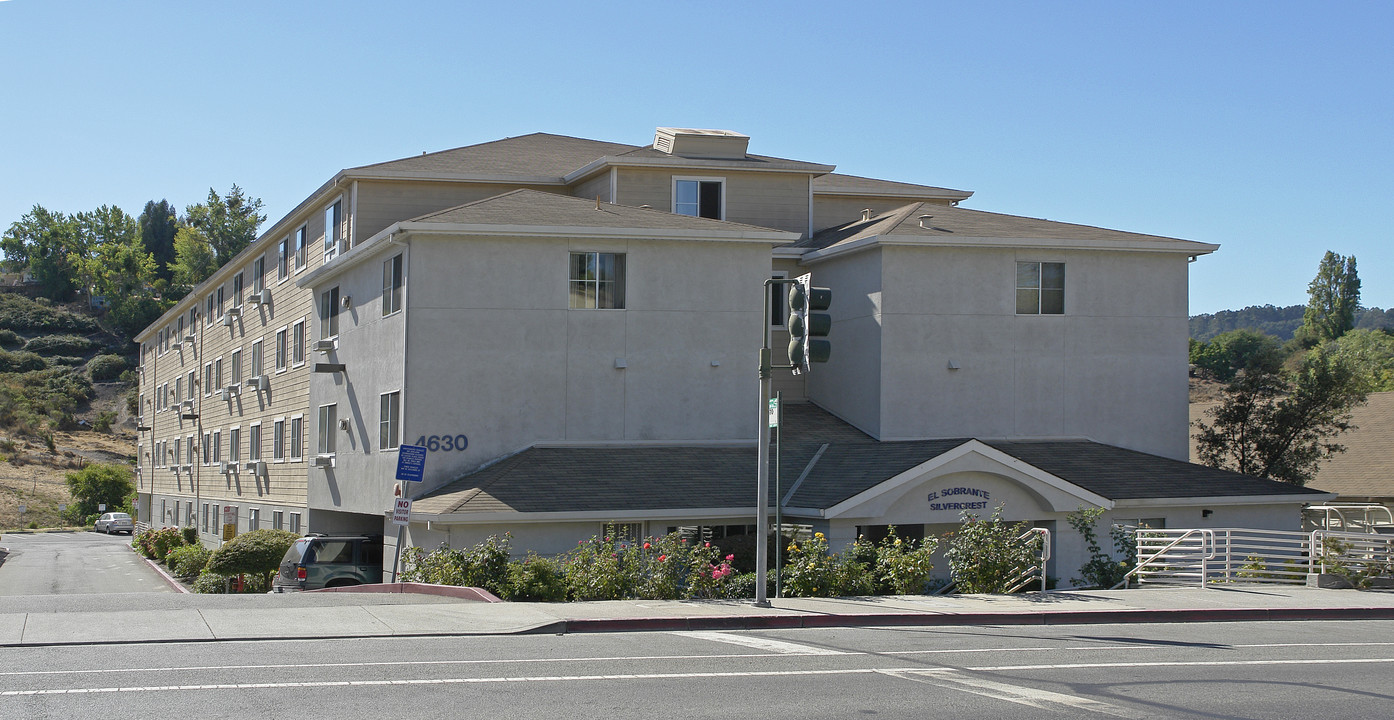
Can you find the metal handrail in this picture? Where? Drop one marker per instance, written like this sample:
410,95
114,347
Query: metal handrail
1034,572
1366,548
1364,508
1207,538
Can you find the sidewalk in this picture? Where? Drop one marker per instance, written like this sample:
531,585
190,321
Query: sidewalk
168,617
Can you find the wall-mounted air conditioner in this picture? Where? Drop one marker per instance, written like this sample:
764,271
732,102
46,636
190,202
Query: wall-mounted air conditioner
233,389
324,346
234,311
256,467
260,298
187,405
189,338
189,469
227,320
224,395
324,461
259,382
222,468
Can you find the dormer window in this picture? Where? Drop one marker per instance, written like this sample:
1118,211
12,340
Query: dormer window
700,197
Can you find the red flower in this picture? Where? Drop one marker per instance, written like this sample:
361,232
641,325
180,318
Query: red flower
706,544
662,558
648,546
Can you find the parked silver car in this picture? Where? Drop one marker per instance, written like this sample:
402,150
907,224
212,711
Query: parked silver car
115,522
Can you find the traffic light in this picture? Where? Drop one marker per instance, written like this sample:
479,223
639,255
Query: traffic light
808,326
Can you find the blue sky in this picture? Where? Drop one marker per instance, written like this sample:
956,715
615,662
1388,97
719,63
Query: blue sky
1264,127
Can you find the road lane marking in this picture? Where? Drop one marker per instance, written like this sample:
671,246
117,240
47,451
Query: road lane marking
1181,663
1019,694
762,643
446,681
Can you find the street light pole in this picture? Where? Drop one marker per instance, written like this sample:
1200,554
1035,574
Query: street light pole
762,476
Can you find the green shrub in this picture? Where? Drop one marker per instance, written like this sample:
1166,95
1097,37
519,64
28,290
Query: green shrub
188,560
105,368
1101,570
59,345
257,553
159,543
10,338
210,583
21,362
904,566
535,579
21,314
190,534
984,555
71,361
484,566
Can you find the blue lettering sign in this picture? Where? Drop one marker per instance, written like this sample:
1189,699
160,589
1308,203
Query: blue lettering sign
949,492
411,463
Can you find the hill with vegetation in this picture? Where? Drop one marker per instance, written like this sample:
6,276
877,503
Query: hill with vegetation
1280,322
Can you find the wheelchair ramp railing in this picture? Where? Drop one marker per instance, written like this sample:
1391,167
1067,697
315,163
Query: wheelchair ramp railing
1352,554
1242,555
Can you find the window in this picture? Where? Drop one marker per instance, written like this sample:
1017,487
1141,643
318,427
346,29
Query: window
389,410
236,378
297,437
217,446
392,286
178,388
208,316
328,422
254,442
237,290
258,270
283,259
699,197
176,454
207,379
295,522
256,359
193,376
189,516
193,319
278,440
301,254
220,302
218,373
234,445
205,517
189,458
597,280
329,313
333,230
297,348
207,442
179,327
281,349
253,519
1040,288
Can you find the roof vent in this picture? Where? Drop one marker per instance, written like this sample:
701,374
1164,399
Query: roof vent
866,214
693,143
924,221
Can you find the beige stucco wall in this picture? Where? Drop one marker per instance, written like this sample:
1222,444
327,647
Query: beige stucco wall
767,199
1112,368
383,202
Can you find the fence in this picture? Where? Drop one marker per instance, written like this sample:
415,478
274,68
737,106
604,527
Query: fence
1230,555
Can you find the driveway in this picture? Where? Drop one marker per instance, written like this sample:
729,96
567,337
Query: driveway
73,563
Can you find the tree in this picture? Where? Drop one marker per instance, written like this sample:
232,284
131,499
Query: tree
1278,426
1236,350
95,485
258,552
158,225
1370,354
103,235
194,259
45,242
229,223
1334,297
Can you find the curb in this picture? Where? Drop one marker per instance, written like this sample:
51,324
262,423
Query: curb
178,586
1069,617
411,588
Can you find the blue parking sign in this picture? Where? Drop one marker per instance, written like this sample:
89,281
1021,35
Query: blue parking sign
411,462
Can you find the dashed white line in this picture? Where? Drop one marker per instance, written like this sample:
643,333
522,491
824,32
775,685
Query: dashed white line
762,643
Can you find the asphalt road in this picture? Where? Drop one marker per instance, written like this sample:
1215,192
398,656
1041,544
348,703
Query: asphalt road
70,563
1201,670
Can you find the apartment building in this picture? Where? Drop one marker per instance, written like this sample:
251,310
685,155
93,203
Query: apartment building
571,328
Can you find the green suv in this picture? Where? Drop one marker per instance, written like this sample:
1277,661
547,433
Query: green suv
327,561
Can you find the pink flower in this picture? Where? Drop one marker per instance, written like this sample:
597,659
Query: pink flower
706,544
729,558
648,546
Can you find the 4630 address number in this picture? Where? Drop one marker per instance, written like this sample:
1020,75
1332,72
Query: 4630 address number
446,443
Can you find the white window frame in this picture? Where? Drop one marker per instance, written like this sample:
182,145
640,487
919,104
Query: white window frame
237,290
234,444
203,449
282,349
193,377
1039,288
328,424
236,368
698,179
253,519
296,437
278,440
333,224
297,344
302,249
256,359
390,420
258,271
254,441
329,313
217,446
621,283
283,260
208,379
295,522
394,280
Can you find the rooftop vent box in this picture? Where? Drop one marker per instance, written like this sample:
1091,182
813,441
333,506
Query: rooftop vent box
688,142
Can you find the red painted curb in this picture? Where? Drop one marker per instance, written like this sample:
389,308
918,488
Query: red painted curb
462,593
1084,617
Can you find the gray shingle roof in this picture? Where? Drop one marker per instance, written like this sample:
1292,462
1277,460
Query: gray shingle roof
947,222
838,183
535,155
537,208
604,479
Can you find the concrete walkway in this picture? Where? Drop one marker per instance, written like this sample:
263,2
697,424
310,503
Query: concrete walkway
169,617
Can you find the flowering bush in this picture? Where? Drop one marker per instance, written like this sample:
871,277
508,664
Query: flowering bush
156,544
535,579
903,566
188,560
984,555
485,565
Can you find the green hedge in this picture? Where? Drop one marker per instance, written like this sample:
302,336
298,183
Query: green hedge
21,314
71,345
105,368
